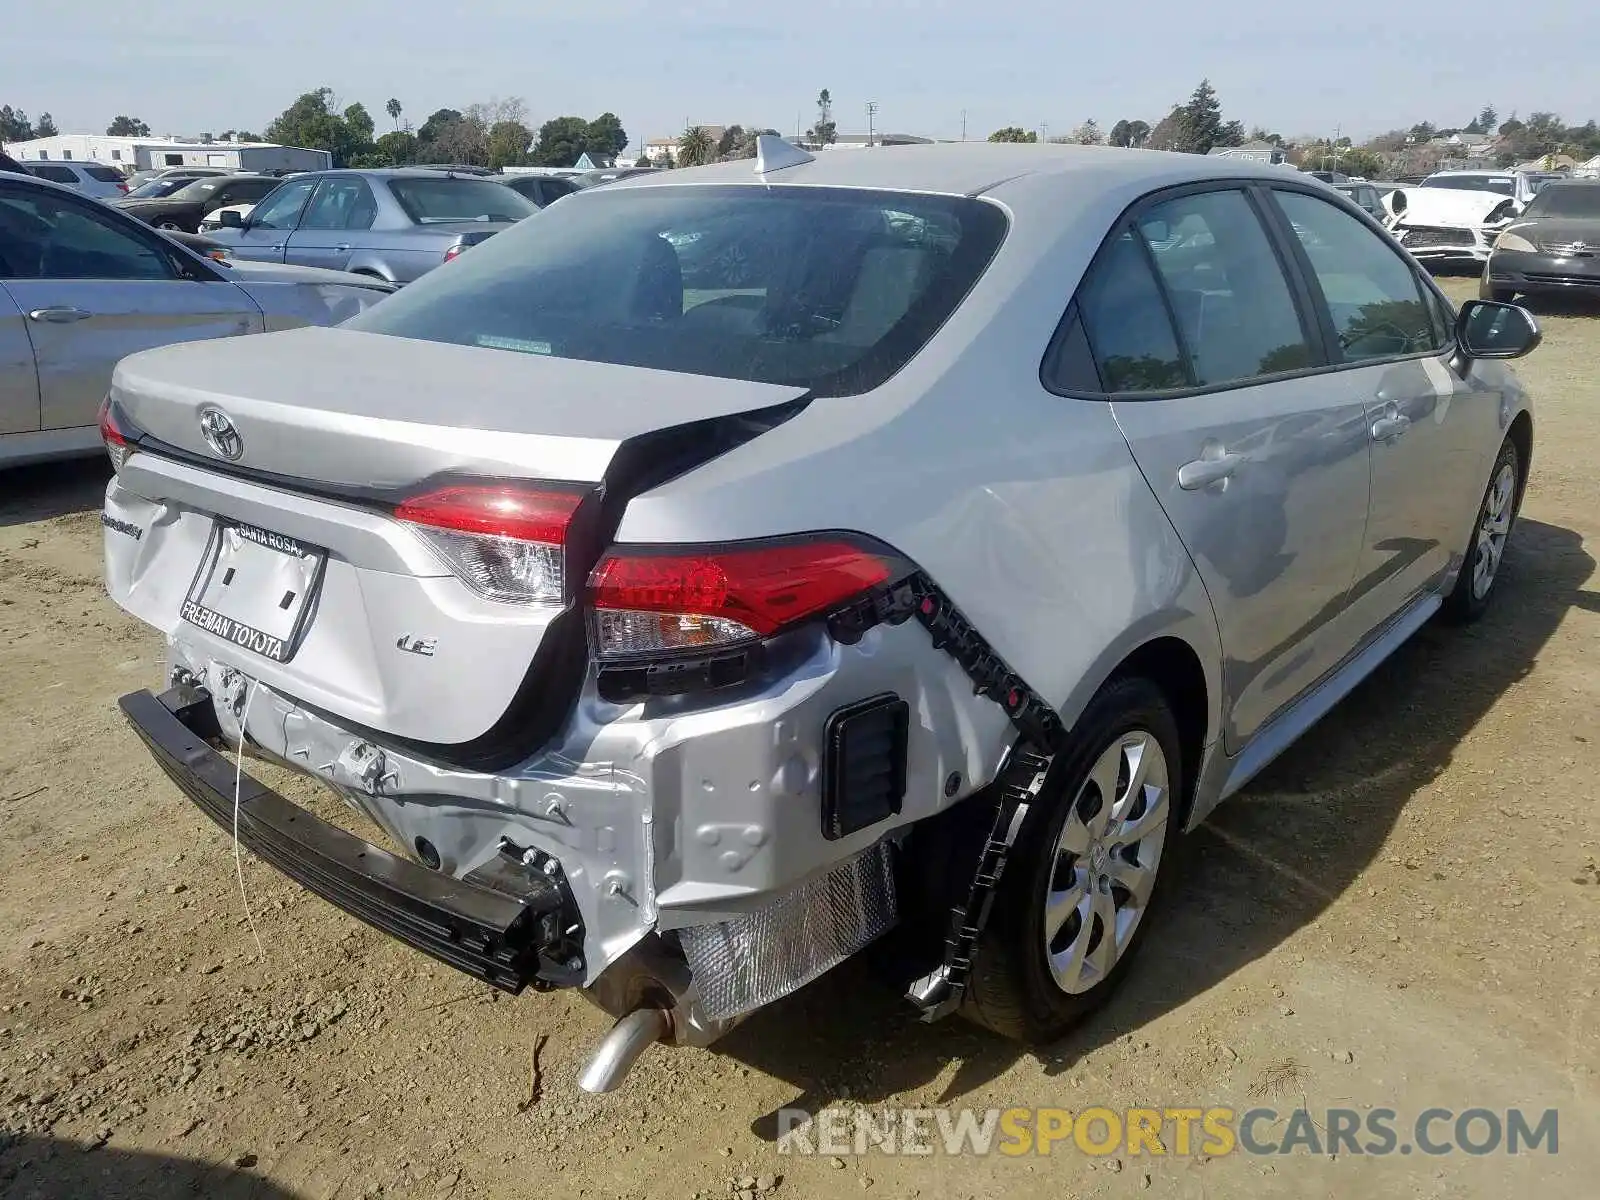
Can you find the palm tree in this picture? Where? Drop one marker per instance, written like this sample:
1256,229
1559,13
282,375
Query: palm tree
696,147
393,109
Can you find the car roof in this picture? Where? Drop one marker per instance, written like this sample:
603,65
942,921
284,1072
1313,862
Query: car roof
394,173
967,168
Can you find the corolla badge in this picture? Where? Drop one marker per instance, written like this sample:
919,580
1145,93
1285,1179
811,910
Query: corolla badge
217,428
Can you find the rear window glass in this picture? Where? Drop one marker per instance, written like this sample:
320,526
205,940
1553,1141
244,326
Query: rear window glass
427,201
104,174
829,289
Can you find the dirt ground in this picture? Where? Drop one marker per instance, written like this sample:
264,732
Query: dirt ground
1401,913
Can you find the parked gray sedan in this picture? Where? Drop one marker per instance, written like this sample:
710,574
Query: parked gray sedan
928,551
82,285
393,224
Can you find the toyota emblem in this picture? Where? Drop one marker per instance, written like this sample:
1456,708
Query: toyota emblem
217,428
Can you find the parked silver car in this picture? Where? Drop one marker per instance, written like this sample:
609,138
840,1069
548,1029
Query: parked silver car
1013,508
82,285
394,224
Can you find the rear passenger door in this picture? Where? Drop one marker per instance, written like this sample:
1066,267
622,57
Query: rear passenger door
1205,343
1431,428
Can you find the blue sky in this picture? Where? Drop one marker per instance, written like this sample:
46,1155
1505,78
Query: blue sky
189,66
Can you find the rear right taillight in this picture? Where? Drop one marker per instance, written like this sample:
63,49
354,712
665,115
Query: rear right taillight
648,602
506,541
114,433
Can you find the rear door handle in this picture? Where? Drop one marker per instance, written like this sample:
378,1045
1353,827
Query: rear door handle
59,314
342,249
1203,472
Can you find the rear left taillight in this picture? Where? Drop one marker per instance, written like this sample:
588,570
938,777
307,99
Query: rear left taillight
114,432
661,603
123,188
454,252
506,541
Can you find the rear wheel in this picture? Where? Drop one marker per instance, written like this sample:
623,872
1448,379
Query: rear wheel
1491,533
1074,901
173,226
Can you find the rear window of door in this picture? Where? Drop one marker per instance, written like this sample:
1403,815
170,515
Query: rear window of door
1377,304
103,174
54,174
341,202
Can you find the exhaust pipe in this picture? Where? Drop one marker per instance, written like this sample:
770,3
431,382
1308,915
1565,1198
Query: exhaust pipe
630,1037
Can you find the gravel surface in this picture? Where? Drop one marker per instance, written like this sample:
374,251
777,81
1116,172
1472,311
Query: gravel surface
1401,912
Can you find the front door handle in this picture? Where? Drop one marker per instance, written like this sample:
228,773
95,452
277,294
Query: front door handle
1205,471
1390,426
343,249
60,314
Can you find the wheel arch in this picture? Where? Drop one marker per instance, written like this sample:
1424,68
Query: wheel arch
1521,436
1175,668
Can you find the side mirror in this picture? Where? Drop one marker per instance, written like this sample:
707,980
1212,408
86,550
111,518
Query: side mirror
1488,329
231,220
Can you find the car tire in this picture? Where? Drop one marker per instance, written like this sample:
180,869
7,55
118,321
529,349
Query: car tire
1499,295
1491,534
1033,987
173,226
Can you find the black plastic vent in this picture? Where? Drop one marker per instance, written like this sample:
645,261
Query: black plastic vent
864,764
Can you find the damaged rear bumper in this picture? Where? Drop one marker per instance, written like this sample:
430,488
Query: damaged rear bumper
507,940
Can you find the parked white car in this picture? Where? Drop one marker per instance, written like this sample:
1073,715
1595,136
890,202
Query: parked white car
83,285
213,219
92,179
1453,217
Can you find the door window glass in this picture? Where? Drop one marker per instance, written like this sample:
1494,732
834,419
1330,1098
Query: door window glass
45,236
1127,323
1235,312
341,203
282,208
1373,296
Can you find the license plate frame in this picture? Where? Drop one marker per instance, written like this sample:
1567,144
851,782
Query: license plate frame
251,556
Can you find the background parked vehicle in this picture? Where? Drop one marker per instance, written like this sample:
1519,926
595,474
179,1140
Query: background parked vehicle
395,224
1281,449
1368,196
91,179
601,175
185,208
1553,248
214,219
82,285
540,189
140,178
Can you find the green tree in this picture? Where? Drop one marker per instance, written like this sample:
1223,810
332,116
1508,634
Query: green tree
825,132
128,127
1087,134
460,141
14,125
1200,127
1423,131
394,110
562,142
45,126
1129,133
508,143
399,147
696,147
1013,133
732,138
436,124
606,135
312,122
359,122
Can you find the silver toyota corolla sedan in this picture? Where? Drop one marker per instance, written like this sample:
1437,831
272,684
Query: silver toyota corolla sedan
949,531
82,285
394,224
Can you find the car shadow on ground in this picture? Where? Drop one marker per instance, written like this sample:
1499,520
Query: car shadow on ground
1269,861
49,1168
45,490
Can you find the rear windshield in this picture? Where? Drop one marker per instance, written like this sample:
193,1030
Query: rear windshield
427,201
1504,185
1566,200
157,188
198,189
828,289
103,174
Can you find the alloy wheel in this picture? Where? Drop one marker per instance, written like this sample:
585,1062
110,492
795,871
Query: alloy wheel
1106,862
1498,507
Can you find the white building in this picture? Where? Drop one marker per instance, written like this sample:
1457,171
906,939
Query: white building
157,153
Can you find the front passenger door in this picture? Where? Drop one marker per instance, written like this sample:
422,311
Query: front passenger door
1259,460
266,233
1428,426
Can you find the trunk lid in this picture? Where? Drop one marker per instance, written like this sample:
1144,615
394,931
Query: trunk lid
333,428
347,409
